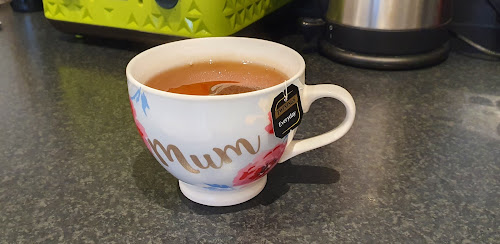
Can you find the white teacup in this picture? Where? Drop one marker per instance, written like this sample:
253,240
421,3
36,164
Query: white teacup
221,147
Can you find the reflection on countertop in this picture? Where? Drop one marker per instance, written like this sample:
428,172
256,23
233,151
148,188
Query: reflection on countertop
420,164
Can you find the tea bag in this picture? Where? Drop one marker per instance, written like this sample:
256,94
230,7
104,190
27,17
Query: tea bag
230,88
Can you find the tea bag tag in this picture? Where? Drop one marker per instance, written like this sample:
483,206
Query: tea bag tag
286,111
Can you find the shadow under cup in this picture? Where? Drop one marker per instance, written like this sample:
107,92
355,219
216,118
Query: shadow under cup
222,147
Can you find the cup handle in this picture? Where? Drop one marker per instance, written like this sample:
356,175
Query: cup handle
312,93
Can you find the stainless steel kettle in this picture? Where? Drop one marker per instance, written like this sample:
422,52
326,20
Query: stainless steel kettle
387,34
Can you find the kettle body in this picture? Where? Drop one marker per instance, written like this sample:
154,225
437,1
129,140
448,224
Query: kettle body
394,33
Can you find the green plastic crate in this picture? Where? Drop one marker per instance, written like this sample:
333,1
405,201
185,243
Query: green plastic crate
188,18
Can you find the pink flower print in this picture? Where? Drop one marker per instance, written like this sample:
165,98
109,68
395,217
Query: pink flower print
139,126
269,127
260,166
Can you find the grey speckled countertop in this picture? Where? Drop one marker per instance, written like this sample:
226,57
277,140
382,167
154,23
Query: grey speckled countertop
421,163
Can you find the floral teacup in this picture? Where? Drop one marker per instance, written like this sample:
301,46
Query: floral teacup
222,147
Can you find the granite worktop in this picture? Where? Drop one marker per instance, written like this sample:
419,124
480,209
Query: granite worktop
420,164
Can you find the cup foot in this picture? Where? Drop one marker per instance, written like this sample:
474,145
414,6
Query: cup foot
212,197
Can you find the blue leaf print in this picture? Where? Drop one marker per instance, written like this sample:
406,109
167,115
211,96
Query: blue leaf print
144,103
218,186
136,95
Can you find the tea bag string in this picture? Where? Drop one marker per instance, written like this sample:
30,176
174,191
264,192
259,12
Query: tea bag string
286,91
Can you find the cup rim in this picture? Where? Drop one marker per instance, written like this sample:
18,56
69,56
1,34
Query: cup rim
157,92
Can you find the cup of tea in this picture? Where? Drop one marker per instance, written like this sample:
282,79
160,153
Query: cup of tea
219,113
